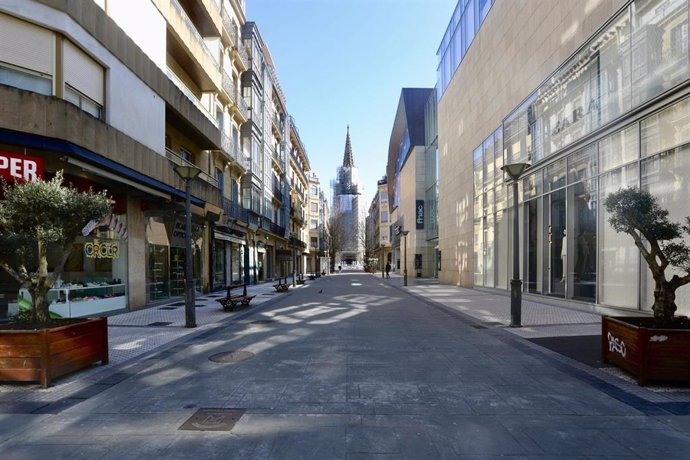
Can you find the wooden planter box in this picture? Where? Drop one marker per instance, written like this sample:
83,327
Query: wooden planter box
44,354
648,353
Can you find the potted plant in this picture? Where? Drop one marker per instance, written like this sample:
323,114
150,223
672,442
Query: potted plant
658,347
37,216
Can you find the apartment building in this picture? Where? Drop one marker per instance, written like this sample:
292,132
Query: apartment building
594,97
378,221
86,89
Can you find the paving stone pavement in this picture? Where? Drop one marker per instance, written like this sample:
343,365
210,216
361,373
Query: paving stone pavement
348,366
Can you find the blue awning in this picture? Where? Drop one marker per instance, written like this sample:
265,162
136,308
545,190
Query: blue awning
35,141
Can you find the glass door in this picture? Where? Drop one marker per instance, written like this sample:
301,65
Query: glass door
556,243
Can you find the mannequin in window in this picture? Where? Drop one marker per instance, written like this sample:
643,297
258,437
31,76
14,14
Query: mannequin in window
564,255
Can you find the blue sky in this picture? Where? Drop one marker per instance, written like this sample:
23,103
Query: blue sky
343,62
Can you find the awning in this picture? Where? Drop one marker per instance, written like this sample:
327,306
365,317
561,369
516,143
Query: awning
225,237
119,172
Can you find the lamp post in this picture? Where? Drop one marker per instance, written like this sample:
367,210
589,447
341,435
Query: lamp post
405,232
188,173
515,170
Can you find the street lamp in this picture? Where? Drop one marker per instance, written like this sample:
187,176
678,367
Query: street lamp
405,232
188,174
515,170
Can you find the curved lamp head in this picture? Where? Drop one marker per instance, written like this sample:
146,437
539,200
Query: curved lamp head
405,232
187,172
515,170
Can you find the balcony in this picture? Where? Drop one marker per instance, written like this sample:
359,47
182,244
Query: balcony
229,26
239,51
187,47
277,192
229,88
191,96
206,188
241,105
177,160
278,125
270,226
237,212
233,152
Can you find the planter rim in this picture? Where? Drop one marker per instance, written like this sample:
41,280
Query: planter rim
625,321
57,328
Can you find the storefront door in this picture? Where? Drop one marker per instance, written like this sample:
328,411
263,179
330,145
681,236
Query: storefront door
557,248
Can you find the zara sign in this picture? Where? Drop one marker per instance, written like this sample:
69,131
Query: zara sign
20,167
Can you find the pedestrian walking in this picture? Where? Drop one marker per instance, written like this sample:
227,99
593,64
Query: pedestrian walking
388,270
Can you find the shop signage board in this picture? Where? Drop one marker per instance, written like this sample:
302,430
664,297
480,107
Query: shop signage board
419,214
15,167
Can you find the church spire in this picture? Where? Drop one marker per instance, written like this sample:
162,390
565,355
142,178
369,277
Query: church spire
348,160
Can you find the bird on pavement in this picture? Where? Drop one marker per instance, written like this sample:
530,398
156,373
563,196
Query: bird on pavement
320,291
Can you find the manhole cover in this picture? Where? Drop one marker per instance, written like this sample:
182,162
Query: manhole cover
263,321
231,356
213,420
160,323
168,308
178,304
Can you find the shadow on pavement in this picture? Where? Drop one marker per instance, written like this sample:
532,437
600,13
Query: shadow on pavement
583,348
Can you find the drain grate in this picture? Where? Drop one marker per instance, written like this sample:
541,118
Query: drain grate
234,356
168,308
178,304
160,323
213,420
263,321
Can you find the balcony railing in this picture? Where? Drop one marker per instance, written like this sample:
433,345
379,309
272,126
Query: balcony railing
229,87
193,32
270,226
241,105
228,24
190,95
238,46
233,151
179,161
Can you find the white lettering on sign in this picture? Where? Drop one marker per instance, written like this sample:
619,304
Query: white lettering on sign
616,345
18,167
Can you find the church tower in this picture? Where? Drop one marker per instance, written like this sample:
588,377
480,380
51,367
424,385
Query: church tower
349,204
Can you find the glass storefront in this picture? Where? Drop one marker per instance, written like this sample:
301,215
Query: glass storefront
568,249
94,279
165,262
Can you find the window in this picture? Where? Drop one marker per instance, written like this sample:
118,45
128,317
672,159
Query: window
314,224
384,216
185,154
83,102
314,190
314,207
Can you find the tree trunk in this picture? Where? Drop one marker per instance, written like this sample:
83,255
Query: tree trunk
40,286
664,303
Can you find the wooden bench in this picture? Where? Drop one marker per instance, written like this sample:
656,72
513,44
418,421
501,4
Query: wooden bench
300,279
312,277
281,287
232,302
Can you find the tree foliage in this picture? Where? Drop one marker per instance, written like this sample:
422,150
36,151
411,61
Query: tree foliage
337,235
660,241
38,215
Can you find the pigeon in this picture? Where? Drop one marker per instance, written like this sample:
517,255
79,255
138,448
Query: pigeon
320,291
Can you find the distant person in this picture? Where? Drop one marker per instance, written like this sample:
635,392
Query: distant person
388,270
340,268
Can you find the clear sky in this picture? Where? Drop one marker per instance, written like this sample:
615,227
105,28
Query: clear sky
343,62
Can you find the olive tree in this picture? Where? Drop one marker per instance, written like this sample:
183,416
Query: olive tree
660,241
36,216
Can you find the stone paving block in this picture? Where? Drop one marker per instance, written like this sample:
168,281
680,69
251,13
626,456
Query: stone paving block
320,442
576,441
372,440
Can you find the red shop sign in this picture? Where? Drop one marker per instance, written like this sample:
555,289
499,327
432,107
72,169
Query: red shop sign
15,167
